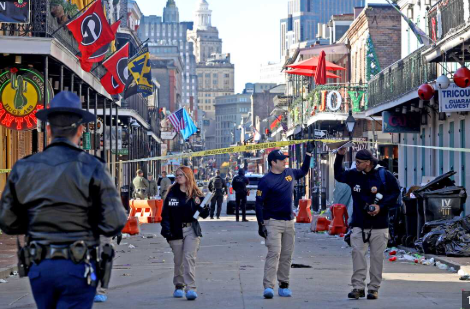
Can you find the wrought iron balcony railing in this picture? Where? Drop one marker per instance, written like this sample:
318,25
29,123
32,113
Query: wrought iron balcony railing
43,24
139,104
451,13
400,78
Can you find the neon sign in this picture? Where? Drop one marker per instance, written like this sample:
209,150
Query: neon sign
21,96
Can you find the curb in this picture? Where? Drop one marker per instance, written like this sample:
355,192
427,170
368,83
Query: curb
6,271
442,259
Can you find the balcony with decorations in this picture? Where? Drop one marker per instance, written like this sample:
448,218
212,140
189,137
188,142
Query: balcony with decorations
449,28
326,107
398,84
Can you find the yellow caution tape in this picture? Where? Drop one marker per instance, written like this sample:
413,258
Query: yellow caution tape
219,151
4,171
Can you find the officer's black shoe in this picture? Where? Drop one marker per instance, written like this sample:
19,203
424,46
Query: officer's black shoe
237,220
356,293
244,220
212,217
218,217
372,294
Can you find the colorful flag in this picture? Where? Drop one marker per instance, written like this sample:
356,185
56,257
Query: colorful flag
111,85
91,30
99,55
141,71
275,122
422,37
189,126
177,120
117,65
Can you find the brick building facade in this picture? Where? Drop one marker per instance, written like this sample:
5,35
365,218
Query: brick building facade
383,24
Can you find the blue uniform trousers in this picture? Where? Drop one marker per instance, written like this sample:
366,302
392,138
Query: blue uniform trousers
60,284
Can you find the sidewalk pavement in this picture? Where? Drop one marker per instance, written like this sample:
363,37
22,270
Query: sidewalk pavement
8,259
229,274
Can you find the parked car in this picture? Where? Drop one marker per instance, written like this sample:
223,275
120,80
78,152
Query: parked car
250,199
172,178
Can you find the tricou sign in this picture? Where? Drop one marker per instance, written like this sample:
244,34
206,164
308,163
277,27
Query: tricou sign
454,99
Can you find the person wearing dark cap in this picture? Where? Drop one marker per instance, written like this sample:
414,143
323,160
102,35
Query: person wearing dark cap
275,217
239,184
62,199
374,191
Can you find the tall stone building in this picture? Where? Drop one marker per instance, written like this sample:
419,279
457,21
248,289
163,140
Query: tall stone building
164,36
215,78
204,36
215,72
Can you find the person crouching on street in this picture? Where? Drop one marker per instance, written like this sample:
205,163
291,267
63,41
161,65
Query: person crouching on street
182,230
374,191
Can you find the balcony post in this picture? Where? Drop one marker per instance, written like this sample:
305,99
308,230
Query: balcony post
95,135
103,154
46,97
116,156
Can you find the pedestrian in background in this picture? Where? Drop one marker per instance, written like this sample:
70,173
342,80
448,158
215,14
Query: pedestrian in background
62,199
276,219
165,183
141,186
153,187
374,191
182,230
217,186
239,184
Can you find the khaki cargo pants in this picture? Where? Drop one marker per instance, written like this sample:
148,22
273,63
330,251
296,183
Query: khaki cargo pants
280,243
377,244
185,252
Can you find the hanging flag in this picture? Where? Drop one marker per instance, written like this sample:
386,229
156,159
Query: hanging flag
422,37
99,55
177,120
91,30
111,85
189,126
117,65
140,69
275,122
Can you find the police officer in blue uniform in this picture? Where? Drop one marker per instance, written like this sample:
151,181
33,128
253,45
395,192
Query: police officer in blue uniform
62,199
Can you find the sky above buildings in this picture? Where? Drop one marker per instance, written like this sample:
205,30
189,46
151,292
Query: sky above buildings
249,30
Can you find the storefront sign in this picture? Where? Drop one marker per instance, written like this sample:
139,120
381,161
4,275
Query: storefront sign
400,123
21,96
168,135
454,99
87,141
16,12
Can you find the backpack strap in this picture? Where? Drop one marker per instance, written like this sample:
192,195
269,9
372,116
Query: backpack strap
382,176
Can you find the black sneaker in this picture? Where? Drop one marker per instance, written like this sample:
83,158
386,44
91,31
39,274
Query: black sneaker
356,293
372,294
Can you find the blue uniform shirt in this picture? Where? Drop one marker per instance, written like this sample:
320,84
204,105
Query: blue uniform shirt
274,195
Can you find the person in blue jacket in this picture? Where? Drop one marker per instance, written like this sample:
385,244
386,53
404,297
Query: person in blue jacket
275,216
374,191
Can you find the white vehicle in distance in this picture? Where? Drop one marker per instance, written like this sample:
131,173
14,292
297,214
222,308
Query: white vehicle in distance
250,199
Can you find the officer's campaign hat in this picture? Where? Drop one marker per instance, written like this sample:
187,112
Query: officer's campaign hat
68,102
276,155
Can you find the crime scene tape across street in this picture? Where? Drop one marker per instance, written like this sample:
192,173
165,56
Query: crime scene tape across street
262,146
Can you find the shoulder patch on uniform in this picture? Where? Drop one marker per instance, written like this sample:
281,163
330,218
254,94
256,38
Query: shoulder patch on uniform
259,193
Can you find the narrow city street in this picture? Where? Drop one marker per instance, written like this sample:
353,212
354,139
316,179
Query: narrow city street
230,271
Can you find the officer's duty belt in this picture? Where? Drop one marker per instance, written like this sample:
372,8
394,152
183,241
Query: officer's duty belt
77,252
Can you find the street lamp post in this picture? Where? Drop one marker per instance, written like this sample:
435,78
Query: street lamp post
350,123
